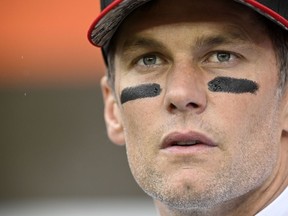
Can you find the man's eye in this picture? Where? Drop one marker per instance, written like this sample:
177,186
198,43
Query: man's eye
220,57
149,60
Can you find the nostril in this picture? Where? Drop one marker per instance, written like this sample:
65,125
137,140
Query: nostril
188,106
172,106
193,105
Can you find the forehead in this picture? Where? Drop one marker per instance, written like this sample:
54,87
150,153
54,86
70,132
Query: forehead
173,12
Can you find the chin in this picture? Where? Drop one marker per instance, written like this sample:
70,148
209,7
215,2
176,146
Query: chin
189,196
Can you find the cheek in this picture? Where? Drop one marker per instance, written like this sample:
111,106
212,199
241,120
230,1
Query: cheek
251,124
138,131
142,131
250,134
139,121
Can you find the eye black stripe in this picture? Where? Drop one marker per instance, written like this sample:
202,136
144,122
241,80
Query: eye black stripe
232,85
141,91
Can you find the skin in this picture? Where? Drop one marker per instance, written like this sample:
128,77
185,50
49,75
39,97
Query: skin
181,47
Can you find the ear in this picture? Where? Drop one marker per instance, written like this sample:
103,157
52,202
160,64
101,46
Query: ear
112,114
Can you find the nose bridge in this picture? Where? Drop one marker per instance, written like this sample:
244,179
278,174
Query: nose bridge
185,88
183,73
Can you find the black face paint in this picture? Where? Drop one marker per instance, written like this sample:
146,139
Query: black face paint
141,91
232,85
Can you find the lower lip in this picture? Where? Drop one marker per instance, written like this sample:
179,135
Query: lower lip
188,150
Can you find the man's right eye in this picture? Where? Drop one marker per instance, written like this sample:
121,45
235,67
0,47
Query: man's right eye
150,60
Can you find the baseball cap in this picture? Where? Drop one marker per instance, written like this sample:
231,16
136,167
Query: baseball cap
114,12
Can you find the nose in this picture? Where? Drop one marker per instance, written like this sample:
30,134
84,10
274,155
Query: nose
185,90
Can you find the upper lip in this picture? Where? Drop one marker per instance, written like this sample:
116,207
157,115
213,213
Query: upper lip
182,138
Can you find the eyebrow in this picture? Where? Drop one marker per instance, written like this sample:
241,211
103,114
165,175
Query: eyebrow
219,39
142,42
206,41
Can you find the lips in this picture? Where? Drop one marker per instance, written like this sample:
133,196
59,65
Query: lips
185,141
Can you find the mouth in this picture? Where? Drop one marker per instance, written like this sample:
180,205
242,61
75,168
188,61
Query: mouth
188,142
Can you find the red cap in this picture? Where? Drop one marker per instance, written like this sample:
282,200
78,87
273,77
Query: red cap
114,13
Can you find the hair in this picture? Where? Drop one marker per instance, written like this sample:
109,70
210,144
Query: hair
111,64
278,36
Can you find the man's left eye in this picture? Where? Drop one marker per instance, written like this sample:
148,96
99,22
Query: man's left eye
220,57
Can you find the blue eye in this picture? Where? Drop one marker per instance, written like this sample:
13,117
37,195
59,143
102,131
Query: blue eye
220,57
150,60
223,57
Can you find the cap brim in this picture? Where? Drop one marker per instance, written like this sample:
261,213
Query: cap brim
106,24
279,17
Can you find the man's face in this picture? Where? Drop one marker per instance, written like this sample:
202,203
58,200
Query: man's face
196,101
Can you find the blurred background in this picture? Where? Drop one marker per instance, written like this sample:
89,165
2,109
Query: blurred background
55,157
